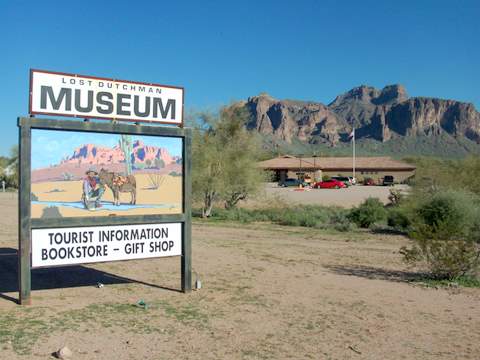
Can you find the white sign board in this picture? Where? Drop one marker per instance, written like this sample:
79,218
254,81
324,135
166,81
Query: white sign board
73,95
67,246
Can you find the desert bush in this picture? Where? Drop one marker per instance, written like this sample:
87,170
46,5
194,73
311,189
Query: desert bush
340,221
368,213
396,197
433,174
446,237
326,177
305,216
399,219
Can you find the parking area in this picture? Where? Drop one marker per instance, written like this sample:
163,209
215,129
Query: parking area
347,198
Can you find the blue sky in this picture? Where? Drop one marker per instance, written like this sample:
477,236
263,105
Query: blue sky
50,147
228,50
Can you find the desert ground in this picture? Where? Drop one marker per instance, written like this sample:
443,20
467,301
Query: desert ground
349,197
269,292
168,193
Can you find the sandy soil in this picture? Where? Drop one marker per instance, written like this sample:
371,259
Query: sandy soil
170,192
347,198
269,292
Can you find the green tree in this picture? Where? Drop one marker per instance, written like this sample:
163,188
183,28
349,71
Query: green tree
207,163
14,164
225,156
242,177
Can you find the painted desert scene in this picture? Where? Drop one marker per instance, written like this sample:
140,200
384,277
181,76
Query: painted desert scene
97,174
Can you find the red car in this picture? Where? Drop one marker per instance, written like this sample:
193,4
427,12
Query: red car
330,184
369,182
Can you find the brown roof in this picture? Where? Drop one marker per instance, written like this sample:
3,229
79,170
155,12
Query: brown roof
334,163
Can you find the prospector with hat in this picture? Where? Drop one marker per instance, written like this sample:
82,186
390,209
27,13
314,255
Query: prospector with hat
92,190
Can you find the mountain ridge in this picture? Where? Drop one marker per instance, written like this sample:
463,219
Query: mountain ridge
381,115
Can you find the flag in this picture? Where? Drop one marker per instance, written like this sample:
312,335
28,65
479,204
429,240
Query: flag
352,135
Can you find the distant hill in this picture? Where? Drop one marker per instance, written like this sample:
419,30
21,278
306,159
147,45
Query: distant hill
386,121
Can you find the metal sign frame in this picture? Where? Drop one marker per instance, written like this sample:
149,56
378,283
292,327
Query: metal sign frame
26,223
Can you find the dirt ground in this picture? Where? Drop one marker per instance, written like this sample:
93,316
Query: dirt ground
347,198
269,292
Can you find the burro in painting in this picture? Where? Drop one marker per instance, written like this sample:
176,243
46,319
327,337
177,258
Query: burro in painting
98,174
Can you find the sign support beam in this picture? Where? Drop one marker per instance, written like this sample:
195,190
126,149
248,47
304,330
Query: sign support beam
186,262
24,230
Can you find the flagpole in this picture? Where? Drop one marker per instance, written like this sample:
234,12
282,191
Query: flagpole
354,153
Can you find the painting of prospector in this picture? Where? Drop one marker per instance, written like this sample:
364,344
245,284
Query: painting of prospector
97,174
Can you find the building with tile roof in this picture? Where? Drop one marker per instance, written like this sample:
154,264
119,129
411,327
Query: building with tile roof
376,168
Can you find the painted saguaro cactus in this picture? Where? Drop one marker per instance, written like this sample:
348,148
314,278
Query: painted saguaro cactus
127,148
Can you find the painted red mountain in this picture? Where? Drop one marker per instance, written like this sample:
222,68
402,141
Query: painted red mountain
142,156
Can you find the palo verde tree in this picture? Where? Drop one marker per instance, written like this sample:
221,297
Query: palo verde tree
207,169
241,149
225,156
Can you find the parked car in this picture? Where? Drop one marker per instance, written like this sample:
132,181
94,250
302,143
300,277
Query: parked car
388,180
292,182
330,184
369,182
345,179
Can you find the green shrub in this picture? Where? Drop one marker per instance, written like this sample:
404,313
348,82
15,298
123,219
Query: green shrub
340,221
304,215
446,238
368,213
399,219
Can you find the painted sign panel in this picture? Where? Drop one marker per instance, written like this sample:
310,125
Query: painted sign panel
80,245
73,95
78,174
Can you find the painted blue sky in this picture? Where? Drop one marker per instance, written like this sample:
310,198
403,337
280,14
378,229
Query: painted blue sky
50,147
229,50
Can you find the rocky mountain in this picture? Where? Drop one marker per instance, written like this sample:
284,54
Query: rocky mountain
375,114
97,155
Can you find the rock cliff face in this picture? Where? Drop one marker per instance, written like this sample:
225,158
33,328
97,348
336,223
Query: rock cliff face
289,119
378,114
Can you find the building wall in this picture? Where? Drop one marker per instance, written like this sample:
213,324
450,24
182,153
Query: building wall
314,175
376,175
360,174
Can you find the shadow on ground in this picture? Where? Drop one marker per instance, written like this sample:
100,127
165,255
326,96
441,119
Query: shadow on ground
374,273
58,277
387,231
